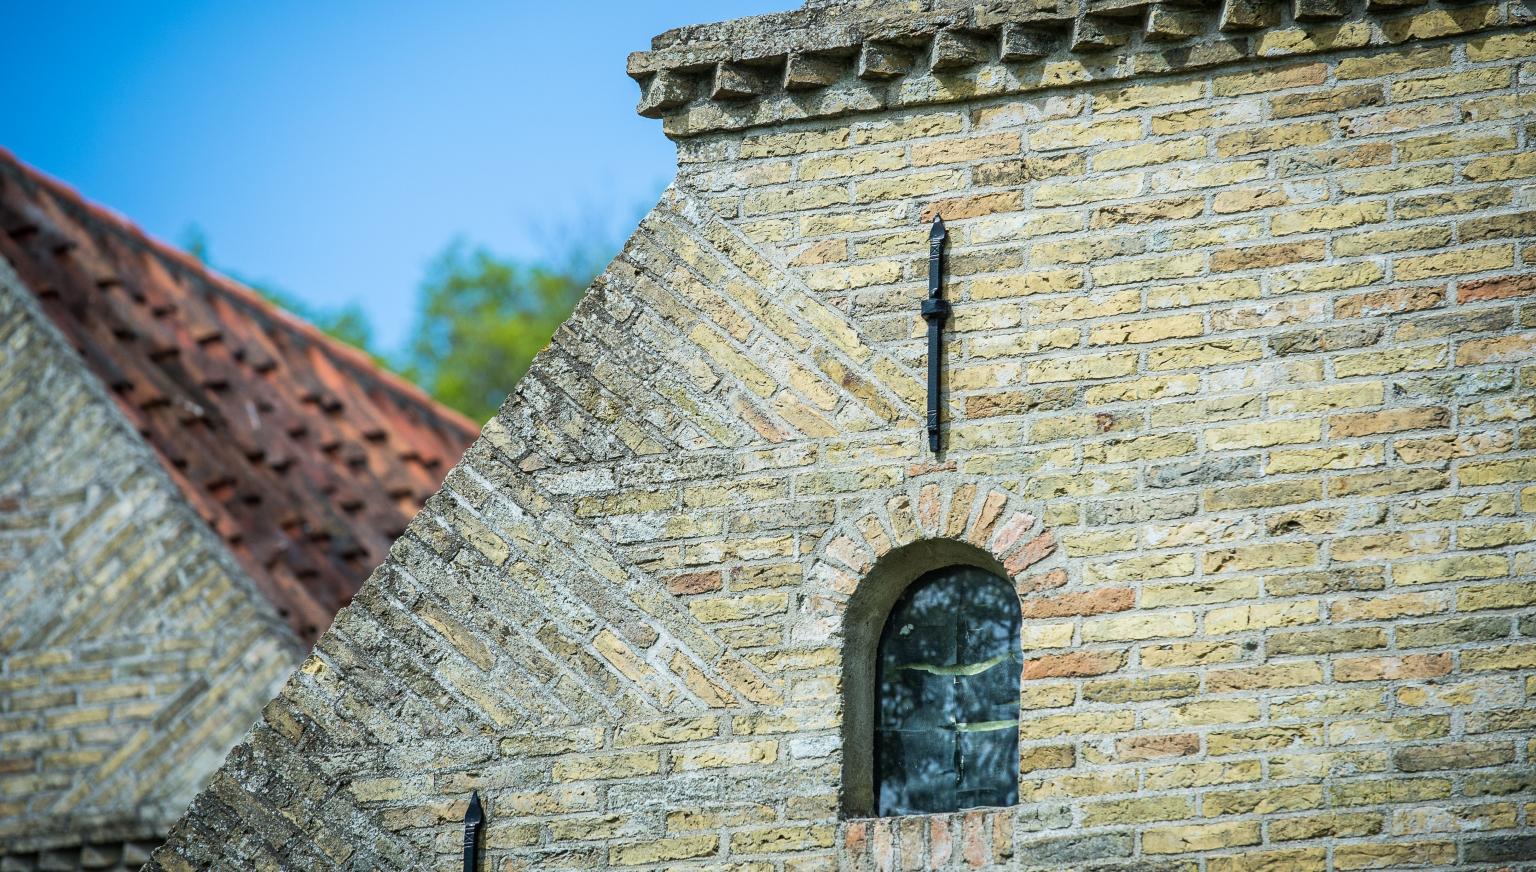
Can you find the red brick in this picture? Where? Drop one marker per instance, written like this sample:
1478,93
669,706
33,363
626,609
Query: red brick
1098,602
1388,302
1501,288
1260,256
694,582
940,845
911,839
856,837
1044,581
885,844
975,842
1074,665
1033,552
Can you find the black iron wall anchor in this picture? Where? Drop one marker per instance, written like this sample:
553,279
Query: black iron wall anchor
474,817
935,311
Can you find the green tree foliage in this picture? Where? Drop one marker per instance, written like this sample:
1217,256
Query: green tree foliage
480,318
481,321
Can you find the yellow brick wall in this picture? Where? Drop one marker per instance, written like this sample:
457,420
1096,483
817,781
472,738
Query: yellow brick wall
133,650
1240,390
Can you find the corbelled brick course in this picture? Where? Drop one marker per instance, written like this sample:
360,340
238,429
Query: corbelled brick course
1239,390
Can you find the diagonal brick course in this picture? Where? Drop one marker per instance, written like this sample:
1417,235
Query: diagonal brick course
1237,397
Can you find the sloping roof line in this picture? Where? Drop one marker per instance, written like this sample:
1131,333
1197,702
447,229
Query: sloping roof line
303,453
355,356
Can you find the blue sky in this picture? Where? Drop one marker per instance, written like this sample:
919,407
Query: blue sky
333,148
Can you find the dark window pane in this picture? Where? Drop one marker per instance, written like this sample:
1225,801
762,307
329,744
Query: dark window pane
947,724
927,755
916,699
992,695
981,642
989,766
931,643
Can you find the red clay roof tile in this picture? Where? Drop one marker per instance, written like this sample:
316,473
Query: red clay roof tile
304,455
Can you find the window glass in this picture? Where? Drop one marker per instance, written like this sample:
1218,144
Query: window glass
947,726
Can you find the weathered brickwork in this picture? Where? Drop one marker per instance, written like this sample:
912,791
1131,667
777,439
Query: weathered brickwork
1240,384
130,643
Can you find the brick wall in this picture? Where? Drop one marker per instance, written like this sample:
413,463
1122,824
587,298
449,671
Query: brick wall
1239,385
133,652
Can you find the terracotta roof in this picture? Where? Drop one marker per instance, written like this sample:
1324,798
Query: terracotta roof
301,453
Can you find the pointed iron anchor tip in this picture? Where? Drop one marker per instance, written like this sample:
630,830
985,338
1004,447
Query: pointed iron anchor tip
476,813
938,227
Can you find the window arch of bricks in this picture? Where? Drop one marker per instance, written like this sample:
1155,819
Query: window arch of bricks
863,565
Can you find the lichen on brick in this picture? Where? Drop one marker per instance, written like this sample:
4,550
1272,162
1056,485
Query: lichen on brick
1238,397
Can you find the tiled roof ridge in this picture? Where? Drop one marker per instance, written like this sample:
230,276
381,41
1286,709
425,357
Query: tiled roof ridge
349,355
838,57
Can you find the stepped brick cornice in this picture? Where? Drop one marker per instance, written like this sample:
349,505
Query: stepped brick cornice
837,58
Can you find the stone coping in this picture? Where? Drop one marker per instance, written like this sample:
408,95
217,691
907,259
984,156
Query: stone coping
829,59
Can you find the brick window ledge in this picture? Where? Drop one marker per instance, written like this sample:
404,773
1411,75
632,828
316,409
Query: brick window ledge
980,838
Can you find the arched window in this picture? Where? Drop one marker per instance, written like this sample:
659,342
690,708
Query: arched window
947,705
